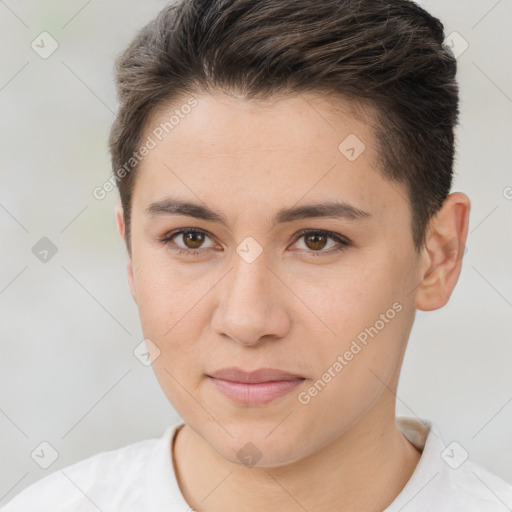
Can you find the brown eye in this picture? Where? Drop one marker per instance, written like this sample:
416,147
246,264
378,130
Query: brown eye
315,241
193,239
319,242
188,240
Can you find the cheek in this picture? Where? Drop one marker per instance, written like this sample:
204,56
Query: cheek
347,300
167,296
371,321
352,373
173,316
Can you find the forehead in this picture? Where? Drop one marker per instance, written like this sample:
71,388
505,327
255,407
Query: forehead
232,152
221,121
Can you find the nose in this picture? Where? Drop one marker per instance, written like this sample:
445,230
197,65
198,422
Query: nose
251,304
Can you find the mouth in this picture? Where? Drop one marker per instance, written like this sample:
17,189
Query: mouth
255,387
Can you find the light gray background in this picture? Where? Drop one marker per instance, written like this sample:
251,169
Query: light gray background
69,326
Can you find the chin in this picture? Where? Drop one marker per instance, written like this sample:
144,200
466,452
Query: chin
255,447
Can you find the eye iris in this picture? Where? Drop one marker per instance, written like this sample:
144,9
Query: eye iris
194,238
318,241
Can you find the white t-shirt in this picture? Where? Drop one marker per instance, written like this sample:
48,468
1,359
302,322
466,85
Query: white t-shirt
140,478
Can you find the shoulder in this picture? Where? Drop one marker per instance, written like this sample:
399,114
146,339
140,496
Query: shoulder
102,481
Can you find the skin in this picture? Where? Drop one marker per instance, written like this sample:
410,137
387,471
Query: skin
296,307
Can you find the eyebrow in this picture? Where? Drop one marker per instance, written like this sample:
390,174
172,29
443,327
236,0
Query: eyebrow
330,209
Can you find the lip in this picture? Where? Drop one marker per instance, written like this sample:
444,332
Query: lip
254,387
255,376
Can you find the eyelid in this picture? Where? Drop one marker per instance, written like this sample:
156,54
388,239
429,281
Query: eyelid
325,232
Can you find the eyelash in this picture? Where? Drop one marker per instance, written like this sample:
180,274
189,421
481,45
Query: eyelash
343,242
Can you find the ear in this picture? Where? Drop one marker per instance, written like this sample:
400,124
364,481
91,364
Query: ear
120,221
443,252
121,229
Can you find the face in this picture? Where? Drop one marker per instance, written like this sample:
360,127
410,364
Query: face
253,278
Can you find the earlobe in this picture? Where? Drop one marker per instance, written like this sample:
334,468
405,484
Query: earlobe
444,251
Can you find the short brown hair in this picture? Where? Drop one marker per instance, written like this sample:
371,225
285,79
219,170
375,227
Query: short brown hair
389,54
